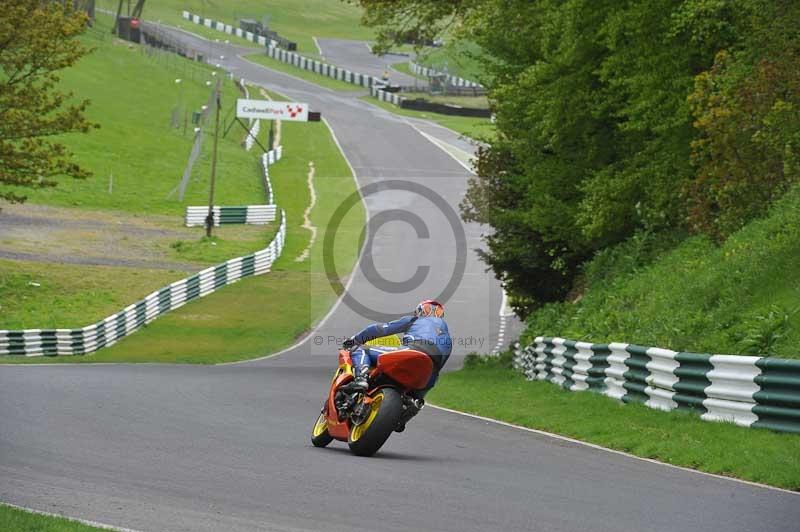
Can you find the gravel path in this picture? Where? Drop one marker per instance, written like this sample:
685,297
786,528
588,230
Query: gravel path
99,261
70,236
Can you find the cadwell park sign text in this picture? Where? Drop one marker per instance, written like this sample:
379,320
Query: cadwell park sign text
270,110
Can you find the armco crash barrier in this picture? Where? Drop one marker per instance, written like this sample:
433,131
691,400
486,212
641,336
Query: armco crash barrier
251,214
37,342
746,390
239,32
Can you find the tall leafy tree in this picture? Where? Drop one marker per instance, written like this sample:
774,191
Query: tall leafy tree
597,137
37,39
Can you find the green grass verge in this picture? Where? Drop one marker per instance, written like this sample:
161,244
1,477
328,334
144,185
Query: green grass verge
473,102
263,314
740,297
227,241
680,438
476,128
43,296
297,20
16,520
307,75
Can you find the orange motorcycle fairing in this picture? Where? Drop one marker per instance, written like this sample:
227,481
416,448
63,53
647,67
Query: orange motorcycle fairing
407,367
339,429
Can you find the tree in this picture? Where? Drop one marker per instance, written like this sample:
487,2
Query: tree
37,39
595,128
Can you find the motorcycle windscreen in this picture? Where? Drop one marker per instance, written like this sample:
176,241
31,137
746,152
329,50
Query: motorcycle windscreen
408,368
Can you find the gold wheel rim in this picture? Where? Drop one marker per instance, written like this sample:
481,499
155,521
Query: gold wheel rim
359,430
320,426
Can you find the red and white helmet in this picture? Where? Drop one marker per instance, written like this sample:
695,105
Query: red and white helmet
428,308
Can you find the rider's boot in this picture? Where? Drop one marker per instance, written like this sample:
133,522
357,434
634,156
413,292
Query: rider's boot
361,381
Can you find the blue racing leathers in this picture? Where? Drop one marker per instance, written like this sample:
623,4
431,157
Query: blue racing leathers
426,333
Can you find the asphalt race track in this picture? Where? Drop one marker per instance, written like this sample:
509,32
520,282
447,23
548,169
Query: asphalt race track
186,448
357,56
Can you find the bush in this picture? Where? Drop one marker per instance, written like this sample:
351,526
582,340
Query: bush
740,297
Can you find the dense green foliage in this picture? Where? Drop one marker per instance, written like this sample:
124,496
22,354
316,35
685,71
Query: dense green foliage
620,116
742,297
37,41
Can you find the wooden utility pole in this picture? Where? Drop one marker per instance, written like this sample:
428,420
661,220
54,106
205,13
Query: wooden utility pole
210,217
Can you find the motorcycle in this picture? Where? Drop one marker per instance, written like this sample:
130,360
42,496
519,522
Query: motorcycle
365,420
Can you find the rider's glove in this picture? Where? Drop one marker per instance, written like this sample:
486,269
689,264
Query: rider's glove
350,342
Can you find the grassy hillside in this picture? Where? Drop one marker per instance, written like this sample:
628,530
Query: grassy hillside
457,56
298,20
740,297
133,97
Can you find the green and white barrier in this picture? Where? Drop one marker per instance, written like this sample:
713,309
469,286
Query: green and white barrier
227,28
249,214
266,160
323,69
386,96
449,78
746,390
51,342
195,216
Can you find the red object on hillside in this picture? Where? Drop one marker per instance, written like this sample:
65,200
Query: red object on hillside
134,23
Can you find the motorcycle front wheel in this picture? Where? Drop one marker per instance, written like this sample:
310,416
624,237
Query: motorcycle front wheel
385,409
319,434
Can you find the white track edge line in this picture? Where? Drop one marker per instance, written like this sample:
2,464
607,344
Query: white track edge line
87,522
613,451
438,143
338,302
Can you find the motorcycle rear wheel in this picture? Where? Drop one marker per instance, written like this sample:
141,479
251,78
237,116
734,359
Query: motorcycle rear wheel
366,438
319,434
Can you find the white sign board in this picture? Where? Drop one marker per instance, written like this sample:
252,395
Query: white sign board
269,110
